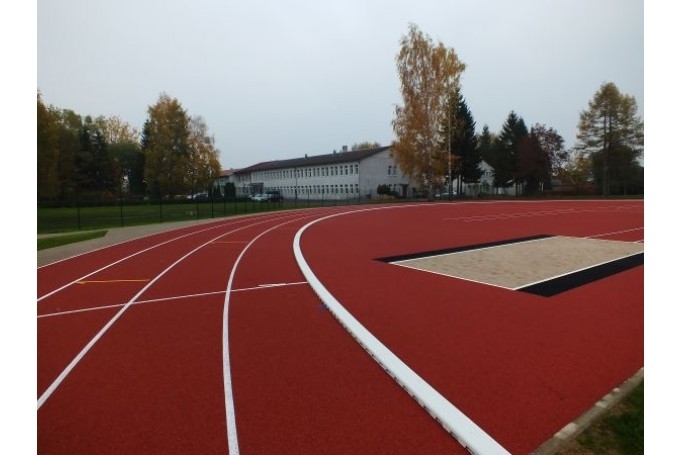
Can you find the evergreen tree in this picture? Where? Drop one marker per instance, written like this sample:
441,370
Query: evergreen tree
69,129
485,145
47,152
464,145
505,150
129,161
105,170
533,164
626,176
609,127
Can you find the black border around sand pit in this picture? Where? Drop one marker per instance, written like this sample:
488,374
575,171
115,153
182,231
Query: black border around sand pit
573,280
426,254
547,288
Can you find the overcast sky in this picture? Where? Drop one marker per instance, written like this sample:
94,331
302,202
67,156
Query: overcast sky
281,79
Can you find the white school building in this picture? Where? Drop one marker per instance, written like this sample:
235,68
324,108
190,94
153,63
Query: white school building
338,175
335,176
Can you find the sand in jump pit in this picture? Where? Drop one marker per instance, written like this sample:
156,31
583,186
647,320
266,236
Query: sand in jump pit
517,265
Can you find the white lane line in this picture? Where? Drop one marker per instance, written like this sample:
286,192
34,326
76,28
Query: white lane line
451,418
272,285
213,224
50,390
232,434
614,233
118,305
81,310
505,216
212,227
470,280
165,299
57,382
573,272
82,278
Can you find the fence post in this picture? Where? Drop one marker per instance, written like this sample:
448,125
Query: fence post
78,213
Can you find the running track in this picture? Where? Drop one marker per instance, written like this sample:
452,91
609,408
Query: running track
211,339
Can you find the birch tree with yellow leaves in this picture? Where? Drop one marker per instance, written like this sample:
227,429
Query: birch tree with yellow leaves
429,76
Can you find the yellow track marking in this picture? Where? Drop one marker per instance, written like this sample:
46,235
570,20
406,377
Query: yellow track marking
112,281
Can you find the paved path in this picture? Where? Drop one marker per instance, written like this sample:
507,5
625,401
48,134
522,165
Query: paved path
112,237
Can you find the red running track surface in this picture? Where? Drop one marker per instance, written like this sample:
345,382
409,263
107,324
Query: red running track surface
520,366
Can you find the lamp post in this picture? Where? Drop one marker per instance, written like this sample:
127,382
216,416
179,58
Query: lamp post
448,138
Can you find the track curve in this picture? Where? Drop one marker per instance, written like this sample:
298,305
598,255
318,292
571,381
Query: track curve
141,344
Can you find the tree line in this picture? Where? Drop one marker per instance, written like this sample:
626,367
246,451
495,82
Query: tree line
104,158
436,141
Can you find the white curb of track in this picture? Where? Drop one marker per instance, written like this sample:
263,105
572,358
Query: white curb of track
451,418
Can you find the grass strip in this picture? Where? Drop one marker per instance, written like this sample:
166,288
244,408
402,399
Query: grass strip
59,240
620,431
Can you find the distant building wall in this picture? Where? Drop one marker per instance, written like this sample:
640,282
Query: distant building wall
344,175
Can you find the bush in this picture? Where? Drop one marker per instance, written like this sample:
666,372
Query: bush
384,189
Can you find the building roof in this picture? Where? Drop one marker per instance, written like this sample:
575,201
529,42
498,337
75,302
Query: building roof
228,172
331,158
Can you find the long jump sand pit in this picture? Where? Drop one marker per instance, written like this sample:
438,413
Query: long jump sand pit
523,264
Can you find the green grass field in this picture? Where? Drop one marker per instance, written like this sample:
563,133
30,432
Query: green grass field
59,240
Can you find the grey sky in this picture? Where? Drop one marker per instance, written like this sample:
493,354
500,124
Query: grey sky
281,79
